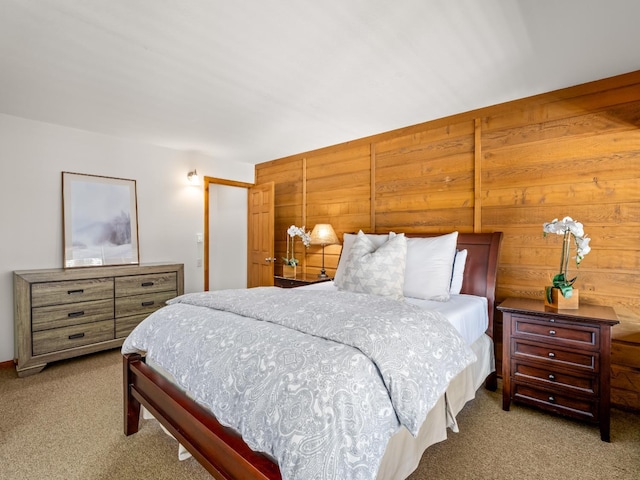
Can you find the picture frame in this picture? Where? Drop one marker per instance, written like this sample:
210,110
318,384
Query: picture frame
100,220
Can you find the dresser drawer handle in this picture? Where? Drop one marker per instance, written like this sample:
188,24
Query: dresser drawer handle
72,292
75,314
552,399
552,320
552,355
552,376
148,304
147,284
76,335
552,332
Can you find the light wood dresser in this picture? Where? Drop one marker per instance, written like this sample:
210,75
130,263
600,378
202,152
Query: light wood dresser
64,313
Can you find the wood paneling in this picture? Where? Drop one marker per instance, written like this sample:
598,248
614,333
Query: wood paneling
510,168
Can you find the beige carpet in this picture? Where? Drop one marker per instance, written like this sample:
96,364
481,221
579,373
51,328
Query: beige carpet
66,423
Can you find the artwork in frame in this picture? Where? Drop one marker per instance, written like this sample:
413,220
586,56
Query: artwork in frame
100,220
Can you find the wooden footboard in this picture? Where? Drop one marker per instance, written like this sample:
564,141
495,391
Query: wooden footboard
219,449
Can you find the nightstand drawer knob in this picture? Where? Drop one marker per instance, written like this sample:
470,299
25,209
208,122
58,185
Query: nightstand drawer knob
552,355
552,399
552,332
552,376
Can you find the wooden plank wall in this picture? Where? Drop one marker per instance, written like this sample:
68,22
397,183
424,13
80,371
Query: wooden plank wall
510,168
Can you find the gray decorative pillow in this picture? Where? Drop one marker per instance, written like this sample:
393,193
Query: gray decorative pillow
347,240
376,270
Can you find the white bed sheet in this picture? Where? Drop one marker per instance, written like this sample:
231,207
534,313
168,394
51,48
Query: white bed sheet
467,313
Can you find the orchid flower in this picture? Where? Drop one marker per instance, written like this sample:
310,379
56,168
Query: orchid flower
567,227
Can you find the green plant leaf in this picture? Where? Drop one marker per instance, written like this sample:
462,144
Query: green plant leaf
547,291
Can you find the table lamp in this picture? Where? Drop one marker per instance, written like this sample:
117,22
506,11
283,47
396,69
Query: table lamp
323,234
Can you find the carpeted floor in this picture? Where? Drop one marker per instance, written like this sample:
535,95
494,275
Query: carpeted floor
66,423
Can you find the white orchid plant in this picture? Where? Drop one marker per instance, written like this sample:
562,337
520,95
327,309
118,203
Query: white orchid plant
292,233
567,227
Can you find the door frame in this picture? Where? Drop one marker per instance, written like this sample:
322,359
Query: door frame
217,181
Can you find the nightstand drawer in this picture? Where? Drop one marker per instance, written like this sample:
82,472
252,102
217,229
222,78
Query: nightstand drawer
142,284
552,355
299,281
45,318
58,293
74,336
288,282
580,336
552,378
584,408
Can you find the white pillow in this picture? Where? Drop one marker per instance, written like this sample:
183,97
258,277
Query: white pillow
430,267
458,271
379,271
347,241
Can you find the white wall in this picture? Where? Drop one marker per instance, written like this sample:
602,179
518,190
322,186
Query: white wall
32,157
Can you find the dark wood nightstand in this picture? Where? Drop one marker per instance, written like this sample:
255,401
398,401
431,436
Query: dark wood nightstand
558,360
299,281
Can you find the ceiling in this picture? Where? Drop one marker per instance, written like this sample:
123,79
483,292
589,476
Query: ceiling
252,80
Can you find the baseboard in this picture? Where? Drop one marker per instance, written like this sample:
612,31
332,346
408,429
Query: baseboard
7,364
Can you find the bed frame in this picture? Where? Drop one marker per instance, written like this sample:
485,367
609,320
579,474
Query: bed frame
219,449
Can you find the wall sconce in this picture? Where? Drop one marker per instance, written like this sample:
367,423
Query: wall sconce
193,176
323,234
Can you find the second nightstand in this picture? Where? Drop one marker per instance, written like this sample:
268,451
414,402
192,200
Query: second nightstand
558,360
298,281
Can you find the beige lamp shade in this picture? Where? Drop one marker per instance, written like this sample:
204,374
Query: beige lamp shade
323,234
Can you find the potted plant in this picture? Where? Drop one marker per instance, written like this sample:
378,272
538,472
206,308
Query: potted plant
290,262
562,294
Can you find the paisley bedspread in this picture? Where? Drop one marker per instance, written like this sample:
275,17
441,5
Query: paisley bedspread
318,380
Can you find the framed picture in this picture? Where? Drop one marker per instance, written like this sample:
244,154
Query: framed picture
100,219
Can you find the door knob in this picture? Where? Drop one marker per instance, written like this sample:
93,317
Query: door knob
270,259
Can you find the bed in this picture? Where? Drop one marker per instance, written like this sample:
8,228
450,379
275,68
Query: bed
223,452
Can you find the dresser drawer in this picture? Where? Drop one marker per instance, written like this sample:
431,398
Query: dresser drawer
552,355
45,318
549,377
57,339
141,304
125,325
72,291
150,283
583,408
578,336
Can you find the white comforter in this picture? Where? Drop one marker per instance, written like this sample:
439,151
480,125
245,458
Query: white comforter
318,380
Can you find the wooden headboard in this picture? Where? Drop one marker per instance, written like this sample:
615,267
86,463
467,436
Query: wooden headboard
481,268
